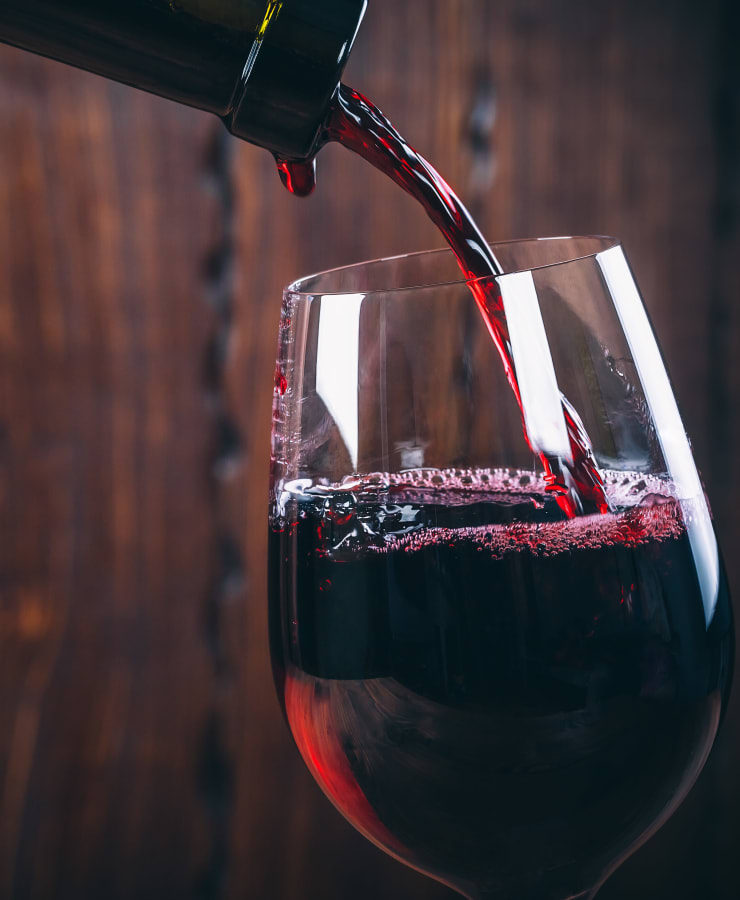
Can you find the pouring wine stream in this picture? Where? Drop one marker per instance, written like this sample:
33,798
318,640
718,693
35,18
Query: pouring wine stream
571,475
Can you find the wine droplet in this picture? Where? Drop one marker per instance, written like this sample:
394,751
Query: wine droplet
281,383
297,175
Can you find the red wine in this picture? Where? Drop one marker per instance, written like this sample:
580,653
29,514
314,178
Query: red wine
497,694
299,177
361,127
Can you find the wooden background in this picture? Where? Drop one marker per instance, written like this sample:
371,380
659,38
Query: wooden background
142,253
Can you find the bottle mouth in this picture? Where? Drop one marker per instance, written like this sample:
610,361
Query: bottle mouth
291,74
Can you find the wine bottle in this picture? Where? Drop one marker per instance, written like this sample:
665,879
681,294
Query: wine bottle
268,69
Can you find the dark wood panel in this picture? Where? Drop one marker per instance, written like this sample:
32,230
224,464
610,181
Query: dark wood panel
107,521
551,118
142,255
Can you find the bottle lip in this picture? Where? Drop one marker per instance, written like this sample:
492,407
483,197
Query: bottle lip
292,72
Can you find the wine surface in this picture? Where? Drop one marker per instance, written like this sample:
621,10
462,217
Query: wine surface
499,695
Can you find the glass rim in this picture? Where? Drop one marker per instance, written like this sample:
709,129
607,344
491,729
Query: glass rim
296,288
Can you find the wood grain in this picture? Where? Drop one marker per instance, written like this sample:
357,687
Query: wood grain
142,258
107,552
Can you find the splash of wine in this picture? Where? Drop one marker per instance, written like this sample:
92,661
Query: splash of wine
355,123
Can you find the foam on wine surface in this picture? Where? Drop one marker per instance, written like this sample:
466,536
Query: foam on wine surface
644,508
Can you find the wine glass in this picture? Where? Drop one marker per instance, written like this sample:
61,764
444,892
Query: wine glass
505,697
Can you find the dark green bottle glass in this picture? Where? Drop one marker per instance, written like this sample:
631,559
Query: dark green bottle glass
268,69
